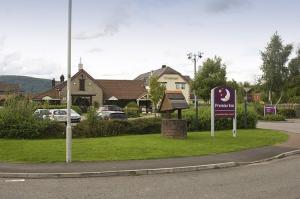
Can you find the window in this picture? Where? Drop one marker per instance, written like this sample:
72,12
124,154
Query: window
180,85
82,84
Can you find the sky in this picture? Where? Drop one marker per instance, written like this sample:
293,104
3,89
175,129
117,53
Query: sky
120,39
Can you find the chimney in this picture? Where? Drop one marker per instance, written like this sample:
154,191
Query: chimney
53,82
62,78
80,65
163,66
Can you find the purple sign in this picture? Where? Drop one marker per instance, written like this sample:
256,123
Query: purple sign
224,102
270,109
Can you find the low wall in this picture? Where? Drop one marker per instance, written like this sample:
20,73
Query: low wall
174,128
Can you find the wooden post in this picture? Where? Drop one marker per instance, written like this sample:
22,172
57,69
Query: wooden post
179,114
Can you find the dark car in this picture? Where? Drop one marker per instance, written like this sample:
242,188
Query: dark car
112,115
109,108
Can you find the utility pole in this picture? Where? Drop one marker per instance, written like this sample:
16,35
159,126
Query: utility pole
69,129
195,57
246,89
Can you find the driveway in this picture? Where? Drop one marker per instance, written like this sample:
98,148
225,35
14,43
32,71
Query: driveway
291,125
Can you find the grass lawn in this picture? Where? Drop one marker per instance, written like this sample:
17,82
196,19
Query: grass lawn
136,146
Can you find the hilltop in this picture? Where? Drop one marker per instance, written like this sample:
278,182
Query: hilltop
27,84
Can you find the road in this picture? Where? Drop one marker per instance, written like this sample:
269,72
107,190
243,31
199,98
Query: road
276,179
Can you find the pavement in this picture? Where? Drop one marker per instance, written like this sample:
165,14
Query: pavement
109,168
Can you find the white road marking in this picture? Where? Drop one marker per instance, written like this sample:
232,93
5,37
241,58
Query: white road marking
15,180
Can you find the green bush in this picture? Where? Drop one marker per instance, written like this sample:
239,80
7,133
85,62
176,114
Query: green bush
103,128
132,110
220,123
17,121
288,113
276,117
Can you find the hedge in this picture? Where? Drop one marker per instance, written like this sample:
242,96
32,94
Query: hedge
99,128
220,123
276,117
288,113
17,121
115,127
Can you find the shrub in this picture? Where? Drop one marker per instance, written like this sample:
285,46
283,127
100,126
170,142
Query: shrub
96,104
144,126
288,113
17,121
276,117
220,123
115,127
132,110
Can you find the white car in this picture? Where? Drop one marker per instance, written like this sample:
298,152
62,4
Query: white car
60,115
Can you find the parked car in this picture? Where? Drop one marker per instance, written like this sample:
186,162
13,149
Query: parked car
112,115
75,117
60,115
41,113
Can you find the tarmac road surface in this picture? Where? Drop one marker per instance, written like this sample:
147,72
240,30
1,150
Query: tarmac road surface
276,179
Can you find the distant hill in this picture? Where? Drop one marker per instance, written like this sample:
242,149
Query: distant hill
28,84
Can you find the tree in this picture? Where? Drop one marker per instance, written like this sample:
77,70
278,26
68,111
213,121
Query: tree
293,85
156,91
212,74
274,68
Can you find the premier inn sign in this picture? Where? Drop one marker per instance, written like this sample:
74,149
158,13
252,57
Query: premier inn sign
224,102
223,105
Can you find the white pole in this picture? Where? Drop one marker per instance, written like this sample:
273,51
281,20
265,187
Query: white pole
68,129
212,112
234,119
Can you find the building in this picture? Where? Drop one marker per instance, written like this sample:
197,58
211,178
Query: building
172,79
8,90
87,91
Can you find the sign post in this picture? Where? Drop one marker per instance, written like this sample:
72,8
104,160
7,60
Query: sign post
223,105
270,109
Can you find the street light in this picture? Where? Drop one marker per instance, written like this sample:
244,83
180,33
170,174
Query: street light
69,129
246,89
195,57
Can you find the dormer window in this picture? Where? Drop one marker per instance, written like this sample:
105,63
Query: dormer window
82,84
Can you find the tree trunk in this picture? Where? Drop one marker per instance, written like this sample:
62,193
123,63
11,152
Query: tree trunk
270,96
279,98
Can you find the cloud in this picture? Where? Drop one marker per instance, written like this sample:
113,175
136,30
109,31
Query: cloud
119,17
13,64
2,40
109,30
220,6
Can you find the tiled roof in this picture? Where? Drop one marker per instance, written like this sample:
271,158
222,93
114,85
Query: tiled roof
173,100
53,93
5,87
122,89
159,72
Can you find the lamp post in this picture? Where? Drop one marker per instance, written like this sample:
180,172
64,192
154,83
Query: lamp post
246,89
69,129
194,57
